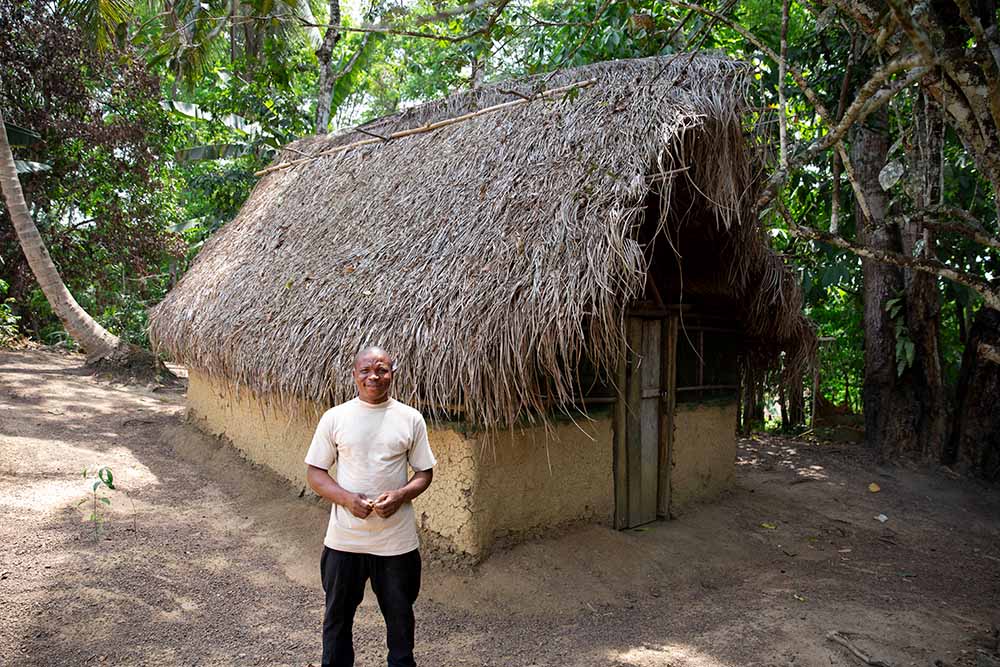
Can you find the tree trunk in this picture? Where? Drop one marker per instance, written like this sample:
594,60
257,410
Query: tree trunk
96,341
758,399
796,401
923,302
888,400
324,53
975,433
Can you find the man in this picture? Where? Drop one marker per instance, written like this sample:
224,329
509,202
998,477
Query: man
372,532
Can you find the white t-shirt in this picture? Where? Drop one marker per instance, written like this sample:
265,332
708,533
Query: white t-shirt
371,444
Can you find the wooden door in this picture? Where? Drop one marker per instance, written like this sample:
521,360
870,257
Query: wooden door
639,443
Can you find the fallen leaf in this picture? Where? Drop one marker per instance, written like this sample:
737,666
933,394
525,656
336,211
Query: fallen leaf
874,488
769,526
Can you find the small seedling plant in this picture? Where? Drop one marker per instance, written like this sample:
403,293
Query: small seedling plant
102,478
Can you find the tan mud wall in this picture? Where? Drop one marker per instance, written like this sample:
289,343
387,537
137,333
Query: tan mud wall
483,490
445,510
704,460
272,438
530,480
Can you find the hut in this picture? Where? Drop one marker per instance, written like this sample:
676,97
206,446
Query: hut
568,269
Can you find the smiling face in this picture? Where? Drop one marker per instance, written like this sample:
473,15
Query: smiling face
373,375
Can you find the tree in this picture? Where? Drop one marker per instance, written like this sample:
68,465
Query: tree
92,337
975,440
947,49
326,75
96,210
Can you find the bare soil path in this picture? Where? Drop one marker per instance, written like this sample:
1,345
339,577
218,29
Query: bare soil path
205,560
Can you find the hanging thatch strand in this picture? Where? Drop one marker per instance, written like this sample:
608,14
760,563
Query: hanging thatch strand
490,256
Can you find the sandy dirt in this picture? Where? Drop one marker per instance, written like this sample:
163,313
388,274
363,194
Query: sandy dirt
206,560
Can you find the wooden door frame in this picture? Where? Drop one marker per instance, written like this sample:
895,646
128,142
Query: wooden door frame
668,410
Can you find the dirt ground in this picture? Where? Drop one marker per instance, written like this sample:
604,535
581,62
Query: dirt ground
206,560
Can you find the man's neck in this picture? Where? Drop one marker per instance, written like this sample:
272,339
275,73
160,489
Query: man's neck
385,399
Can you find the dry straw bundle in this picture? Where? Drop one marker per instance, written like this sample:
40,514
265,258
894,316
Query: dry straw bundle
490,256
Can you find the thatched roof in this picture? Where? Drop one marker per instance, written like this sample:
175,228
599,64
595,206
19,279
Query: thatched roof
489,256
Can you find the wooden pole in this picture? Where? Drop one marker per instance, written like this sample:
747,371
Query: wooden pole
815,391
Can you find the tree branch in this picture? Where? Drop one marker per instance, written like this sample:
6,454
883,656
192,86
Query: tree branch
870,98
932,266
501,5
368,27
803,85
837,167
988,62
354,59
952,219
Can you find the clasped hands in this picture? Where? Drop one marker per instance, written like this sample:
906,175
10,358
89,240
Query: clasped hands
384,506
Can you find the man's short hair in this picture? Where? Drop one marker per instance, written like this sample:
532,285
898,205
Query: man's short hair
375,348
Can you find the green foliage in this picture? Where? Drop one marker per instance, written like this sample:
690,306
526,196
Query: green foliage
8,320
105,201
101,18
838,317
905,349
98,480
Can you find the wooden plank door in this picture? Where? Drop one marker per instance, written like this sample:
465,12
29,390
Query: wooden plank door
638,461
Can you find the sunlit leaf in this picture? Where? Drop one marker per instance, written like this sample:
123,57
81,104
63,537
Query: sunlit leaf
890,174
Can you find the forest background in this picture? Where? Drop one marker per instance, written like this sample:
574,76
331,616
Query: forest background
137,126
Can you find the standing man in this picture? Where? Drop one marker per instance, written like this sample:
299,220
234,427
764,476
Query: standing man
373,531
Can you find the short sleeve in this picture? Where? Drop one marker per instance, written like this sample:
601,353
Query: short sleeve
323,450
421,457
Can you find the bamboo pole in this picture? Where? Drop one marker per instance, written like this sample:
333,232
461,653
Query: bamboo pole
429,127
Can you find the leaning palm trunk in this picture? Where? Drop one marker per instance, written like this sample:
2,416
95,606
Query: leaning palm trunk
96,341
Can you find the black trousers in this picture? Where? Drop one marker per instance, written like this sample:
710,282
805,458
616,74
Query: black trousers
396,582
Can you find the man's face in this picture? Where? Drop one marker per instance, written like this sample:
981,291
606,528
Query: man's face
373,376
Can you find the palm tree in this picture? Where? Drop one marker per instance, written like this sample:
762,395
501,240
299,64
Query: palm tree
97,342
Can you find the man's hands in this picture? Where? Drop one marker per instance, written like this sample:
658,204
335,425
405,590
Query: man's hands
387,504
360,505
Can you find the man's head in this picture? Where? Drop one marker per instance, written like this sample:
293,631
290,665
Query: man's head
373,368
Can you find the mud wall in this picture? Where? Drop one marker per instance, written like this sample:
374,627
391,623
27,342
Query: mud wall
530,480
274,438
486,487
704,453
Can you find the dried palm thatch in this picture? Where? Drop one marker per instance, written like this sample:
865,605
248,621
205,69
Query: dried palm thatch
490,256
